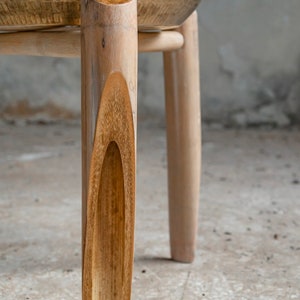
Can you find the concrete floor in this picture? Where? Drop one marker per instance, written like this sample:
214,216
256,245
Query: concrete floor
249,231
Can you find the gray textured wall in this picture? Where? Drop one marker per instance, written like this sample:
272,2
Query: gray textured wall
250,71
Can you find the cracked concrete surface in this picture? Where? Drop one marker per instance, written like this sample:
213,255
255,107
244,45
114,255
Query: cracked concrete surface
249,229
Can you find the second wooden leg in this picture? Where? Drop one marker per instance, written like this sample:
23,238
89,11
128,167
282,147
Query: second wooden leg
183,141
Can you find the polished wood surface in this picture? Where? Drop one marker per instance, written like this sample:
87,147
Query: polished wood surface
109,87
183,141
67,43
37,14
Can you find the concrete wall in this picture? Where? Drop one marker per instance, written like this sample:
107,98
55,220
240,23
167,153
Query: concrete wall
250,71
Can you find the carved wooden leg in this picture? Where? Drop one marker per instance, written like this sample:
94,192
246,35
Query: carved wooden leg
183,141
109,80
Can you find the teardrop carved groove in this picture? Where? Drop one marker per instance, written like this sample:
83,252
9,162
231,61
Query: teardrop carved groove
108,255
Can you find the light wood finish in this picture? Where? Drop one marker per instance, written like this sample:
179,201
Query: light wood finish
160,41
164,14
109,86
37,14
183,141
55,44
67,43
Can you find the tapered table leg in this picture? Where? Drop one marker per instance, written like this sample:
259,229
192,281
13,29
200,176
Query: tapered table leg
183,141
109,85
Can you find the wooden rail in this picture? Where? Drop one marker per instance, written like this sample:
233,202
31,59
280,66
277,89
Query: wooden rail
67,43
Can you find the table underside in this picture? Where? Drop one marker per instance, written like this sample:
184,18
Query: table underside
16,15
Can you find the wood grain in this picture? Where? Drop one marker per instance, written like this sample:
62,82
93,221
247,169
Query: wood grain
164,14
109,86
39,13
183,141
108,258
36,14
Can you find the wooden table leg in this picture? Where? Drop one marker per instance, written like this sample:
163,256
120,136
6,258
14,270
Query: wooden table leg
109,86
183,141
